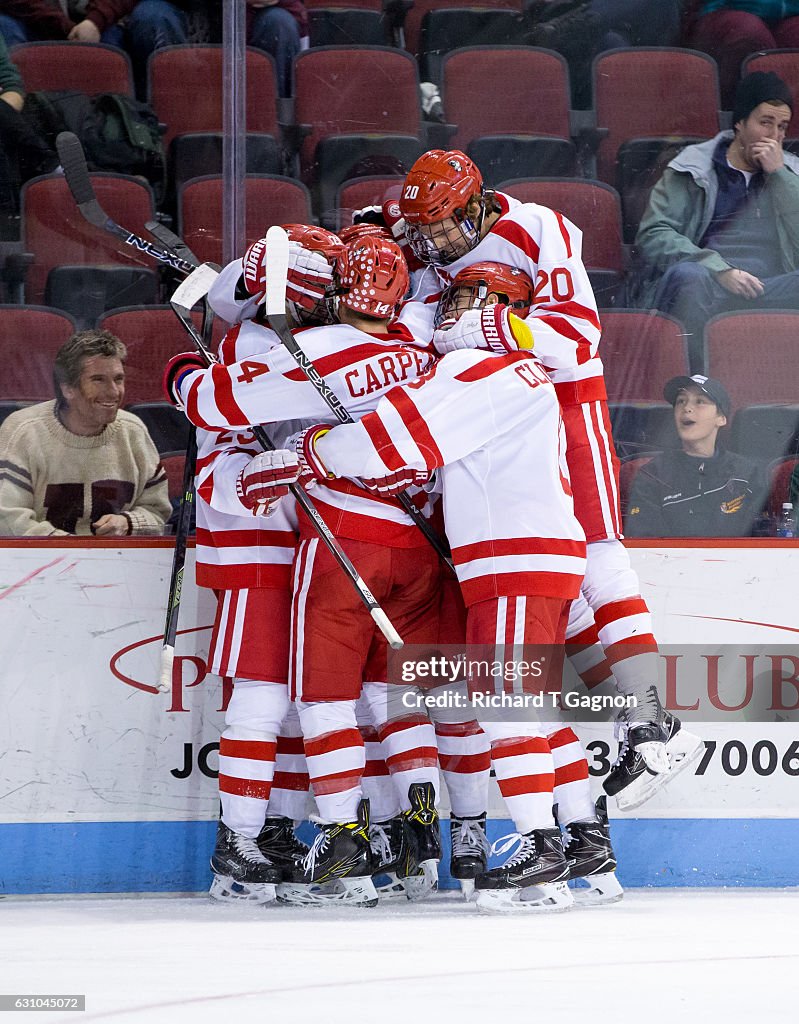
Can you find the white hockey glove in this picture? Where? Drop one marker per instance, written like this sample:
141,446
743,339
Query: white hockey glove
493,327
303,443
309,274
265,480
395,483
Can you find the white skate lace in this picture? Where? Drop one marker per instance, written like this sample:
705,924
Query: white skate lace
467,838
248,849
318,847
380,843
526,847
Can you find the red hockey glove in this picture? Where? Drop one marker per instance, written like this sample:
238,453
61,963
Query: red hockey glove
174,372
394,483
492,327
254,270
304,444
265,480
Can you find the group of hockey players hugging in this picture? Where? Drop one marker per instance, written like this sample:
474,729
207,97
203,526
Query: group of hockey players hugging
458,328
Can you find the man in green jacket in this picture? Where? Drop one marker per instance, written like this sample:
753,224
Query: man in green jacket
722,225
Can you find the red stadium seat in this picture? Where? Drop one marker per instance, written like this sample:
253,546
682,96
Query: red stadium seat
84,67
185,89
780,485
174,464
359,192
346,92
754,356
628,471
640,351
270,199
524,98
361,5
55,232
30,337
641,92
413,21
594,207
447,29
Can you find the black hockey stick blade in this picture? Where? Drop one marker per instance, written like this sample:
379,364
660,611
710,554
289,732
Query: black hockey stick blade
170,241
76,172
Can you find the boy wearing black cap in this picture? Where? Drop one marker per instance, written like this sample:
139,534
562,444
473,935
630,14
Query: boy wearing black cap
701,490
722,224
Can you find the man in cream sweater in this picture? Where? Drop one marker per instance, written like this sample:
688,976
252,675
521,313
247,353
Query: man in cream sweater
79,464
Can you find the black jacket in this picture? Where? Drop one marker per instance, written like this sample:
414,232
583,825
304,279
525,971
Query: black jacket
679,495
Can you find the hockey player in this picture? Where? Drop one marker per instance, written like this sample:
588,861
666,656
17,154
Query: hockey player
451,222
331,643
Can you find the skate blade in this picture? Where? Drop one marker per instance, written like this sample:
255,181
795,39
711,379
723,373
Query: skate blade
601,892
343,891
389,886
419,887
684,750
548,898
228,890
467,889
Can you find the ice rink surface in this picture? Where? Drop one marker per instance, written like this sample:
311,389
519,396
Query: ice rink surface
658,956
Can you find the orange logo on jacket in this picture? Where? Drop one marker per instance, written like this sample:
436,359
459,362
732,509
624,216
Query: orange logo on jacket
735,505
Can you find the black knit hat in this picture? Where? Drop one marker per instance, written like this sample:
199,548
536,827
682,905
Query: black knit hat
757,88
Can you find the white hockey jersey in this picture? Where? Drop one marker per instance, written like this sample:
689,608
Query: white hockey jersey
493,423
269,387
564,318
235,549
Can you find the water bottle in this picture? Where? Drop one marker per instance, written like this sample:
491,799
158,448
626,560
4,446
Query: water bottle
785,524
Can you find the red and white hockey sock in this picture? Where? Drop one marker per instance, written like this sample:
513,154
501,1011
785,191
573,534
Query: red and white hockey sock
572,786
290,786
584,648
247,753
377,784
525,773
625,630
464,756
334,752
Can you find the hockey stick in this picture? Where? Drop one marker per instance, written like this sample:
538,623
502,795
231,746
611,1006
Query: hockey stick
73,160
181,303
171,242
191,291
277,248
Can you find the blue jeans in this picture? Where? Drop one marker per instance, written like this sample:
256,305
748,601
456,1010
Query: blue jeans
15,32
156,23
691,293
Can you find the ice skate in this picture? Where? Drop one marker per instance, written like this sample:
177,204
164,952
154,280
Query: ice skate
278,842
425,831
470,849
397,874
652,754
591,858
532,881
241,872
340,854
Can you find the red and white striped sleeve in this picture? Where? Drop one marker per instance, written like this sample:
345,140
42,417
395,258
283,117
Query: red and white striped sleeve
468,399
221,456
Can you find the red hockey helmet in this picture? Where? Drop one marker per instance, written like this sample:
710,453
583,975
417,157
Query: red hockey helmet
354,231
372,276
482,284
307,311
434,202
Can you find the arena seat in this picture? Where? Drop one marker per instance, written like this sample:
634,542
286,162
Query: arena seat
174,464
416,15
446,29
87,291
340,26
30,337
269,199
356,193
754,356
185,90
517,123
56,233
166,425
628,471
348,117
780,473
635,96
83,67
595,209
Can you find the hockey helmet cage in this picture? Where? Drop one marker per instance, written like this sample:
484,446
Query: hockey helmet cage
372,277
483,283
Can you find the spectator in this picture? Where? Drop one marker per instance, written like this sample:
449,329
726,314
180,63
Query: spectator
701,490
79,464
277,26
722,224
22,153
730,30
24,21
